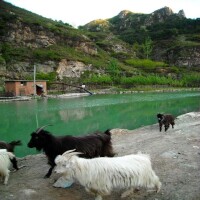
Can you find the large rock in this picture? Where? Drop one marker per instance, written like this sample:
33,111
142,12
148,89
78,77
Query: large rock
71,68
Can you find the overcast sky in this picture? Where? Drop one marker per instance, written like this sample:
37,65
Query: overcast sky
80,12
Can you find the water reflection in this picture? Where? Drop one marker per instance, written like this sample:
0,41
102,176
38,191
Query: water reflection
77,114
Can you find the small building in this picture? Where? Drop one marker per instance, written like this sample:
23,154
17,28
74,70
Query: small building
25,87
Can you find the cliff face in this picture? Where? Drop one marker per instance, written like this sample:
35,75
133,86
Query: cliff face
188,57
33,37
159,16
72,69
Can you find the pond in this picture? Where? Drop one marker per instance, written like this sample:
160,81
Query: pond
83,115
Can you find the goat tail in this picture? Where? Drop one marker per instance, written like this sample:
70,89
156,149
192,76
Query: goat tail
107,132
16,143
105,136
108,149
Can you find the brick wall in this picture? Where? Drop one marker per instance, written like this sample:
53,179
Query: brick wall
23,88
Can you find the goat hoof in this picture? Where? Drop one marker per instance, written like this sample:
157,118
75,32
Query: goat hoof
46,176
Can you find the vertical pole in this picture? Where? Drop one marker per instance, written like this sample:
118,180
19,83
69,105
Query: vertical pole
34,85
36,117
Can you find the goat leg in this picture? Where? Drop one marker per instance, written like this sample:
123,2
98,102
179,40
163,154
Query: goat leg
6,177
49,172
19,168
166,127
160,125
14,163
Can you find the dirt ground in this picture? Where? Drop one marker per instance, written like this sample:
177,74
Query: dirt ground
175,156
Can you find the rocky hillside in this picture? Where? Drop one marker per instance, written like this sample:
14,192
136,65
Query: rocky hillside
176,39
28,39
61,52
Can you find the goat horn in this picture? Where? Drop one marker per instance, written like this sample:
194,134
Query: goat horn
69,151
75,153
39,129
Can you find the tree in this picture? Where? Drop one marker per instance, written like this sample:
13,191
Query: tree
113,68
114,71
147,46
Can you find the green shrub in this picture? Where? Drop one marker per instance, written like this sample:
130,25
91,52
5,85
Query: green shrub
50,77
191,80
46,76
174,69
10,52
145,63
101,80
149,80
46,54
2,60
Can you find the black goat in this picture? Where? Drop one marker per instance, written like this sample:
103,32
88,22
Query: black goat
93,145
10,148
166,120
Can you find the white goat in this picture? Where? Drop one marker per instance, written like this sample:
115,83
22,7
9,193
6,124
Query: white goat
102,175
5,164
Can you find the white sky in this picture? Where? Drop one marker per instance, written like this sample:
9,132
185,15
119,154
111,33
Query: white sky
80,12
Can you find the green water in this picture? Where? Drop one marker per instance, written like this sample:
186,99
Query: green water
79,116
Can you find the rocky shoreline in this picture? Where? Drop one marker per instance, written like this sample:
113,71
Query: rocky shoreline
94,92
